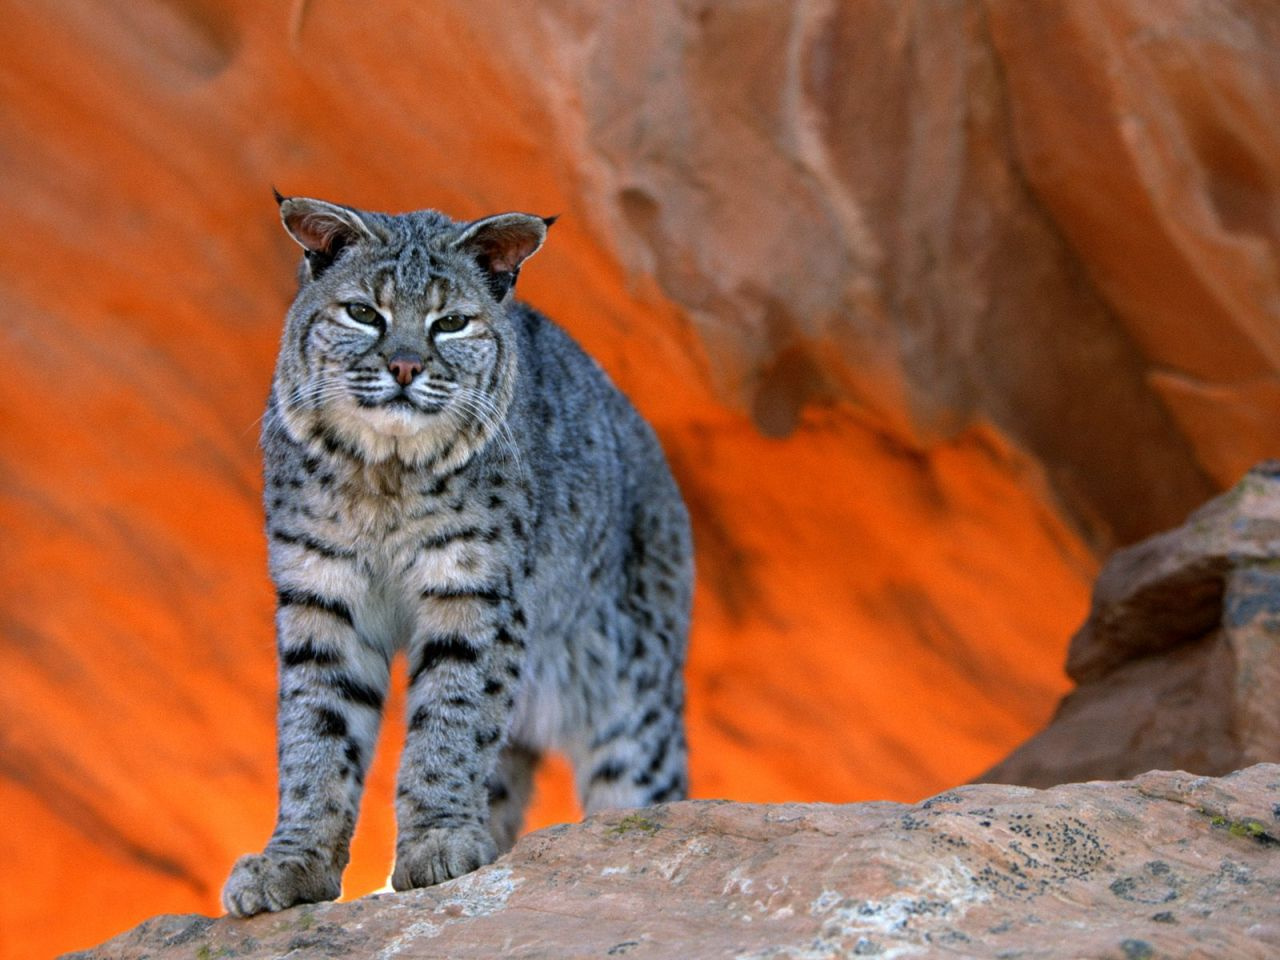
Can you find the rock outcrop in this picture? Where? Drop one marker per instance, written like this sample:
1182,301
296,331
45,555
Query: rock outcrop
1167,865
1179,662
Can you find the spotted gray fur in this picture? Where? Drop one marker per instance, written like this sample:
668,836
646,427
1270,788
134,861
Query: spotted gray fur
449,475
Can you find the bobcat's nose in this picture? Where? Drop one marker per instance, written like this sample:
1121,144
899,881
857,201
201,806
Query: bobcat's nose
404,366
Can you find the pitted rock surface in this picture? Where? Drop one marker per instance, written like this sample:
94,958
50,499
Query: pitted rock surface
1168,865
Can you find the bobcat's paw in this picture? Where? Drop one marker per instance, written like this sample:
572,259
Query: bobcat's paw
266,881
441,854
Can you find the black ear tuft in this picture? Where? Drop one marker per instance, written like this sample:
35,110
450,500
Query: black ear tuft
322,229
500,244
278,195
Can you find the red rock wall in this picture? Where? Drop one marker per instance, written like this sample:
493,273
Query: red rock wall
922,297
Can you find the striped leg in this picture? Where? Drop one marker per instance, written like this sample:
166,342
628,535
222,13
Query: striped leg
459,706
636,754
332,687
636,760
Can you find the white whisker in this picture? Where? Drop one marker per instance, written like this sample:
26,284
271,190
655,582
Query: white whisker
311,394
483,408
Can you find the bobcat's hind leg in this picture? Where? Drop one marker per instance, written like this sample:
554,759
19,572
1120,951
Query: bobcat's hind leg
639,757
636,753
510,787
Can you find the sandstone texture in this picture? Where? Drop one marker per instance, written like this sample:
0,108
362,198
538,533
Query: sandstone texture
1178,663
932,303
1167,865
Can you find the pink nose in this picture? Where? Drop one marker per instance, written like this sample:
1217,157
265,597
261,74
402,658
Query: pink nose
404,366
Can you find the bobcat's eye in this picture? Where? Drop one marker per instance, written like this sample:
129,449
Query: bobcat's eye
365,314
451,323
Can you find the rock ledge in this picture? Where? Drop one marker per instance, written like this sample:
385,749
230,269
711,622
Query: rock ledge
1165,865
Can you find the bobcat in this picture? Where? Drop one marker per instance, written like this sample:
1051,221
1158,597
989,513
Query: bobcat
448,474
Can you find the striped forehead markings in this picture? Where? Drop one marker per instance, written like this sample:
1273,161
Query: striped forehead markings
416,273
415,266
436,291
384,286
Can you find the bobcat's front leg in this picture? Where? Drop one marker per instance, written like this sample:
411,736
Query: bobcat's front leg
332,687
465,662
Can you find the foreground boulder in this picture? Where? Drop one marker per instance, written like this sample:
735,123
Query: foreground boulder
1178,663
1167,865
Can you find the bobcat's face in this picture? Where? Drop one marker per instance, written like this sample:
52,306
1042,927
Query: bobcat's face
398,343
391,349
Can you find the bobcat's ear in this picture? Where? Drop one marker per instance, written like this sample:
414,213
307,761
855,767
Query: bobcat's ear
499,244
322,229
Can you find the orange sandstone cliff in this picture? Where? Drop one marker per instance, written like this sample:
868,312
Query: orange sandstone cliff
932,305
